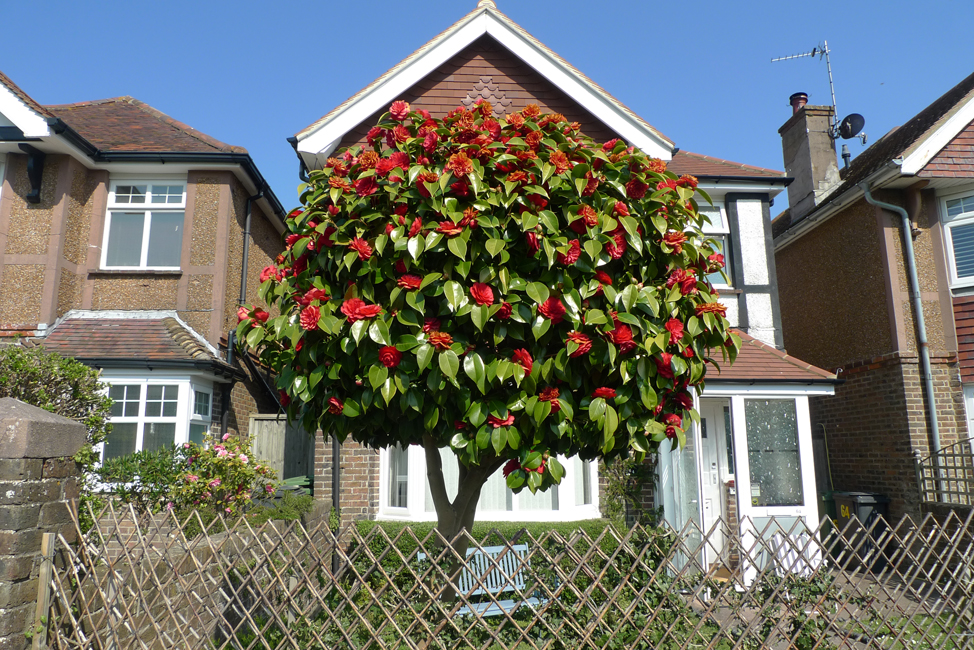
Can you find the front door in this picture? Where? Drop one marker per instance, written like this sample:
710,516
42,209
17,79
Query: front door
716,471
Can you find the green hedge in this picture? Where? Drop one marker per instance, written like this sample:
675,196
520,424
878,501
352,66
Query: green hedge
493,532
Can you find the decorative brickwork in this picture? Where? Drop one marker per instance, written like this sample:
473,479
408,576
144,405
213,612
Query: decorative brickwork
956,160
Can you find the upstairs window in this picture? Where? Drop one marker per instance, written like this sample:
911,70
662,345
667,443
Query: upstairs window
959,237
144,226
716,228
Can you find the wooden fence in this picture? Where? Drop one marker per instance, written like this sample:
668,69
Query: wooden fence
180,584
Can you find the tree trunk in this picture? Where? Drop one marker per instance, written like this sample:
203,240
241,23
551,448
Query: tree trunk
455,517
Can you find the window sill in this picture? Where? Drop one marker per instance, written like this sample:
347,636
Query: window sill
728,291
101,273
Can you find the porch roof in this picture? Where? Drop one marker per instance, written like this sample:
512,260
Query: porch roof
758,363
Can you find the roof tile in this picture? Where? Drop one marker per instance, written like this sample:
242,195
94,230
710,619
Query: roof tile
125,338
759,362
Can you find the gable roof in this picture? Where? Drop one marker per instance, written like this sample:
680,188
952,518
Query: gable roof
156,342
685,162
126,124
909,147
757,362
323,136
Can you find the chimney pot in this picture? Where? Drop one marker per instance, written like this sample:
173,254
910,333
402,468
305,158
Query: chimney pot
798,100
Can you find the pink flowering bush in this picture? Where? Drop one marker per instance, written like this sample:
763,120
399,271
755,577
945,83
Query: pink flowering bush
221,474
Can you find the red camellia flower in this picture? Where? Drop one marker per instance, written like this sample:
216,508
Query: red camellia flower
357,309
268,272
604,392
309,317
617,247
361,247
335,406
663,364
688,181
389,356
636,189
430,141
242,314
431,325
460,164
375,134
399,266
497,423
569,258
550,395
401,133
399,110
715,262
366,186
449,228
673,419
409,282
482,293
671,432
523,358
505,311
440,340
553,310
603,278
711,308
684,399
675,240
326,236
533,244
622,337
416,226
621,209
675,328
584,343
511,466
283,398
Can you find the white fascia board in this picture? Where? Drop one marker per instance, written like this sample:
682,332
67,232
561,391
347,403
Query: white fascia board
929,148
770,390
21,115
738,186
323,141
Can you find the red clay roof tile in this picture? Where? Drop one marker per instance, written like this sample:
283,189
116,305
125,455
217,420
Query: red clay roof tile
125,338
759,362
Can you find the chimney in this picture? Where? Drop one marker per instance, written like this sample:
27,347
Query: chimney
809,155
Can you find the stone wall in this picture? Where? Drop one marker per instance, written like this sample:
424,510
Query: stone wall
38,487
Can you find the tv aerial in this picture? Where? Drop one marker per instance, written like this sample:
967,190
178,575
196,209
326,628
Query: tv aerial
851,125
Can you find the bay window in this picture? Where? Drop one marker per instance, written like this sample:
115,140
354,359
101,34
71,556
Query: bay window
144,225
716,227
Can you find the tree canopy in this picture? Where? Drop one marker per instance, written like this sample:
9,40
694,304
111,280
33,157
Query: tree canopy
501,286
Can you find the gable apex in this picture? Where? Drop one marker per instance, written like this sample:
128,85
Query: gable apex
18,109
323,137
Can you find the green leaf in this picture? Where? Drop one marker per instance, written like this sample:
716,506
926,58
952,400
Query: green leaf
541,411
458,247
499,439
379,332
388,391
358,330
611,421
255,336
315,375
454,294
483,436
431,417
378,375
495,246
351,409
596,409
424,354
479,315
549,220
430,277
541,325
475,415
473,366
416,246
449,363
629,295
595,317
537,292
556,469
593,248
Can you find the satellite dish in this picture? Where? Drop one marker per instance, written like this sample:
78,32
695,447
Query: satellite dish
851,126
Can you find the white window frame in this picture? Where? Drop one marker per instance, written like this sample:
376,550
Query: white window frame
186,388
415,509
721,231
3,163
148,208
949,223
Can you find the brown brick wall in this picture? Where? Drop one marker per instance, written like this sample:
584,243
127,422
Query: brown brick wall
359,478
442,90
836,273
964,319
954,160
877,420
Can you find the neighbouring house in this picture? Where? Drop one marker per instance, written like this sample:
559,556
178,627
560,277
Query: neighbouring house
845,249
753,453
128,241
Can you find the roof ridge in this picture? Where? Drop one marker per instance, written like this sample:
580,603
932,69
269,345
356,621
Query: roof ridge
183,338
32,103
91,102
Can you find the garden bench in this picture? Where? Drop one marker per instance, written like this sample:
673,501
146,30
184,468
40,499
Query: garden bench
493,570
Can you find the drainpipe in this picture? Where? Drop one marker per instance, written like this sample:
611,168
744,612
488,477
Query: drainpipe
249,211
911,266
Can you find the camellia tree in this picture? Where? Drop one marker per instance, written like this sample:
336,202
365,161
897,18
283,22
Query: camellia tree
502,287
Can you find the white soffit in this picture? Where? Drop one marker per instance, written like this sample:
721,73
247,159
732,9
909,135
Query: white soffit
22,116
323,137
940,138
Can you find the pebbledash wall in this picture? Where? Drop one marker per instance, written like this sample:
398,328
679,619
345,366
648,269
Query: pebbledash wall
859,291
52,258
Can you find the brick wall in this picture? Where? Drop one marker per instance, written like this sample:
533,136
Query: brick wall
877,420
359,478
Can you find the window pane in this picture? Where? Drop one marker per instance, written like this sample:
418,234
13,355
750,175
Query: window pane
547,500
130,194
451,477
729,437
126,400
167,193
714,221
197,433
165,238
772,450
201,404
121,441
125,239
161,401
962,239
583,481
495,494
398,477
158,435
716,278
960,206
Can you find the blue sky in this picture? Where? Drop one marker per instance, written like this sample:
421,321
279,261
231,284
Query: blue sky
252,73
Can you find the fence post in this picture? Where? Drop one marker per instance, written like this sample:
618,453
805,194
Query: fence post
43,607
38,481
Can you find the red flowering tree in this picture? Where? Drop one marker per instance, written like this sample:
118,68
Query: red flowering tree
504,288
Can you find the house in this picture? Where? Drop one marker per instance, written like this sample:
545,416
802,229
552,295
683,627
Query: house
128,241
876,282
762,398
